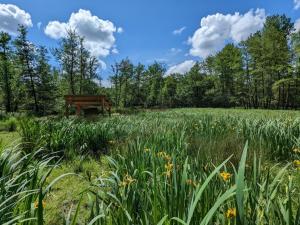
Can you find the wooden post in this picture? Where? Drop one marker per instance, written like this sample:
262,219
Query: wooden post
102,105
67,110
78,110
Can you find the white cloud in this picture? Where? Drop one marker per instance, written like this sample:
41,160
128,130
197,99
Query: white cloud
39,24
297,4
98,33
158,60
105,83
175,51
102,65
11,16
120,30
115,51
297,25
216,29
179,31
181,68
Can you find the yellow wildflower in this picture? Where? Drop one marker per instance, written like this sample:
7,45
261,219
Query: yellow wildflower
127,180
231,213
191,182
164,155
167,157
146,150
226,176
36,204
161,154
297,163
296,150
169,168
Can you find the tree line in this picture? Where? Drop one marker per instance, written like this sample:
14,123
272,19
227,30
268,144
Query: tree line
260,72
29,82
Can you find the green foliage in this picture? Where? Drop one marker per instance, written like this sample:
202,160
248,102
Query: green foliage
11,124
80,68
253,74
147,187
260,72
172,167
274,135
3,116
5,71
22,181
66,137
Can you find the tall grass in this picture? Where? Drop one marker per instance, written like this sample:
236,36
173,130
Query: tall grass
10,124
222,132
23,186
183,166
147,186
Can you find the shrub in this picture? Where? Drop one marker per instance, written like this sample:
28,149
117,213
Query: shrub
3,116
69,137
11,124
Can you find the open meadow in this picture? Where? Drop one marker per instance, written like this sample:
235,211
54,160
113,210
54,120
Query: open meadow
150,112
180,166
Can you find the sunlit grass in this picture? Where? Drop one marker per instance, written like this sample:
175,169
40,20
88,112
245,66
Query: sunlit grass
8,139
181,166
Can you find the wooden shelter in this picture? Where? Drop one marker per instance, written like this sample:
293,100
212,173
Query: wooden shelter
87,101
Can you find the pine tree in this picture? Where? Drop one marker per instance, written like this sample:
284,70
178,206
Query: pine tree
47,89
5,71
25,53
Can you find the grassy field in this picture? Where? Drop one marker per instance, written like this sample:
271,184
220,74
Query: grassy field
181,166
8,139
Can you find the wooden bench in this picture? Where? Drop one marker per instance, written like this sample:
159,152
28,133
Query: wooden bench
84,101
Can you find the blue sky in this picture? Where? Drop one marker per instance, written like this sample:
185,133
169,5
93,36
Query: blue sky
148,26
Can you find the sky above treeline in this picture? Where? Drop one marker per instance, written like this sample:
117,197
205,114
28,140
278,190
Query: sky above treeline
174,32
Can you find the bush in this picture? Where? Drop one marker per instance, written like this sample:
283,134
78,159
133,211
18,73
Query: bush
3,116
11,124
70,137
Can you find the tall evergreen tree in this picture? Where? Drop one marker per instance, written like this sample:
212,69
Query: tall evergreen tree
155,74
229,68
276,55
25,52
5,71
47,89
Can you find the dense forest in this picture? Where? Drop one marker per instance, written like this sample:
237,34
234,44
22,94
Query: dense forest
260,72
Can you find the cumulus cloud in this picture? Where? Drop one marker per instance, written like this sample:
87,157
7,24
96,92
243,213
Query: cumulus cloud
179,31
181,68
98,33
297,4
215,30
297,25
11,16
